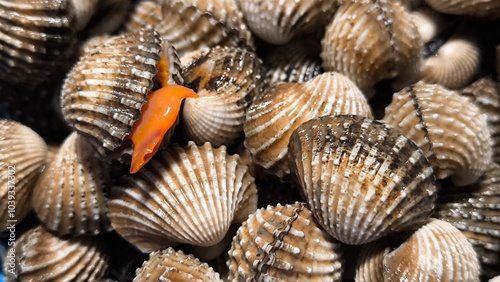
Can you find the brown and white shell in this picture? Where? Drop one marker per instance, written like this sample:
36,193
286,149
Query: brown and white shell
449,128
226,79
284,243
42,256
23,155
278,21
70,195
369,41
370,264
171,265
435,252
361,178
183,195
476,8
275,114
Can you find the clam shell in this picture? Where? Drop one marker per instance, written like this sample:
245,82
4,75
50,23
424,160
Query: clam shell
476,8
475,210
275,114
171,265
23,155
226,79
495,279
435,252
42,256
361,178
370,264
277,21
429,23
183,195
71,192
284,243
449,128
143,13
369,41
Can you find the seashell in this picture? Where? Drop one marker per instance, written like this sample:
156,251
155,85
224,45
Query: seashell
277,22
172,265
185,195
143,13
495,279
297,61
449,128
370,41
429,23
475,211
71,192
284,243
370,264
226,79
23,155
477,8
275,114
361,178
456,63
435,252
42,256
485,94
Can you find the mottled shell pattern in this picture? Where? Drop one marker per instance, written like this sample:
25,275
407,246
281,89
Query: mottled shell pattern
449,128
42,256
284,243
275,114
23,155
476,8
370,264
70,194
171,265
361,178
183,195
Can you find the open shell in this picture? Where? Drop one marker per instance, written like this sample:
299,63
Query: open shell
361,178
284,243
183,195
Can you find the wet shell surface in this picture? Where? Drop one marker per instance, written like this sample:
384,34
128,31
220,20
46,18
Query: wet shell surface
226,79
23,155
183,195
449,128
284,243
42,256
275,114
477,8
475,210
171,265
361,178
278,21
71,192
437,243
369,41
370,264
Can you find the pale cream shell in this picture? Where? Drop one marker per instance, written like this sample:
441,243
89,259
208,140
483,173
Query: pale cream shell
429,23
477,8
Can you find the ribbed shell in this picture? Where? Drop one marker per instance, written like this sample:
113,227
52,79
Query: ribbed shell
369,41
370,264
23,155
278,21
42,256
429,23
226,79
171,265
70,196
284,243
361,178
435,252
183,195
477,8
103,94
275,114
449,128
475,210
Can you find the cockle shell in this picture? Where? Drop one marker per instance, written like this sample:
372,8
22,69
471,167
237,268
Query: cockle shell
23,155
278,21
361,178
476,8
275,114
495,279
70,196
284,243
226,79
429,23
171,265
369,41
475,210
370,264
435,252
184,195
449,128
42,256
